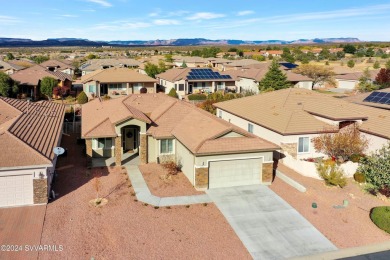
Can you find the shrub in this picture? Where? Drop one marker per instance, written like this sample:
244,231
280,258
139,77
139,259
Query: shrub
208,106
331,173
381,217
173,93
172,167
106,97
355,157
82,98
385,190
359,177
197,97
143,90
376,167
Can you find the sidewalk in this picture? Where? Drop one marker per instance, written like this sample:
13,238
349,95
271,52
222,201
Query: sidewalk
144,195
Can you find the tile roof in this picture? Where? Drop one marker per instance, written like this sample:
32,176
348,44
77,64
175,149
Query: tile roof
31,76
356,75
294,111
358,99
258,74
173,118
177,74
116,75
7,65
97,64
56,63
29,131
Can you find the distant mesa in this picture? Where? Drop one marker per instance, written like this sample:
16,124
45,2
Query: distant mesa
53,42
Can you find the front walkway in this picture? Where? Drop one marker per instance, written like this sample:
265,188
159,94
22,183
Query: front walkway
267,225
144,195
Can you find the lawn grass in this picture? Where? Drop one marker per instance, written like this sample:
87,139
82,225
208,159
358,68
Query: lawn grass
381,217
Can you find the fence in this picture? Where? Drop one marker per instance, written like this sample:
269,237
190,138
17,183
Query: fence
72,127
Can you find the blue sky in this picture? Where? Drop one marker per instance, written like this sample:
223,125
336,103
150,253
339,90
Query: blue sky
212,19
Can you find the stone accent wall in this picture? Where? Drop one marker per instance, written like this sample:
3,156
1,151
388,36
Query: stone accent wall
143,153
88,145
268,172
202,178
40,191
118,151
290,148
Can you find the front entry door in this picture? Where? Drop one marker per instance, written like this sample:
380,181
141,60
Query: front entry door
129,139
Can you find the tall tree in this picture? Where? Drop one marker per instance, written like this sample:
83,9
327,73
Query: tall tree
7,85
319,74
274,79
47,86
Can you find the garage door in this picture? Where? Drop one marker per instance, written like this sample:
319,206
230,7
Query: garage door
16,190
234,173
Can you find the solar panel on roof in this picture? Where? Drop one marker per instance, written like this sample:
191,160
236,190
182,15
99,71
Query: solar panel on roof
378,97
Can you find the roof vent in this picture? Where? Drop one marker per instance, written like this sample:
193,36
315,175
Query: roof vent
299,103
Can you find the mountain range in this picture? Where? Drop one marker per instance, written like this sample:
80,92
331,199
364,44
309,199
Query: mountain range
19,42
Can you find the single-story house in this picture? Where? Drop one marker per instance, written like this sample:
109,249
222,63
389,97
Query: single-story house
237,64
116,81
28,134
292,117
350,81
194,80
101,64
56,65
29,80
189,61
9,68
379,98
211,152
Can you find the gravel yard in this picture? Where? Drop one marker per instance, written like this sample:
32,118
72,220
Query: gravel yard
176,185
125,228
344,227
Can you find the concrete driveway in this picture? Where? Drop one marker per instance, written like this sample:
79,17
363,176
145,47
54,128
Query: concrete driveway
267,225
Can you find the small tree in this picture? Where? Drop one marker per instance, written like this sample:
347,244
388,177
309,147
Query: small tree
7,85
387,65
376,65
346,142
351,63
383,78
184,64
274,79
349,48
365,83
319,74
173,93
151,69
47,86
82,98
10,56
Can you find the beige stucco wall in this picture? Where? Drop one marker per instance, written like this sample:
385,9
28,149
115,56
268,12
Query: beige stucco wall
152,149
86,88
186,159
346,84
247,84
375,142
304,84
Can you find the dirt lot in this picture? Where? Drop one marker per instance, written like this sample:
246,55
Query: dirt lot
176,185
345,227
125,228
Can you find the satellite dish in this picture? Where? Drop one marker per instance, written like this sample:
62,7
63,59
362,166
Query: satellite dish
58,150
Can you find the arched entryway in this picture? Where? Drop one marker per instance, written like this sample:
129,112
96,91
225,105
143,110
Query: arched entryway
130,139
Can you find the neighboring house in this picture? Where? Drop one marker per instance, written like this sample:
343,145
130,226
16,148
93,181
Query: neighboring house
237,64
190,61
378,98
99,64
211,152
351,80
274,53
9,68
248,79
28,134
56,65
292,117
29,80
194,80
115,82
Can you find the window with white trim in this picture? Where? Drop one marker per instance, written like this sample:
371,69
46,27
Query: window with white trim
137,86
220,85
166,146
181,87
102,143
303,144
91,88
117,86
250,128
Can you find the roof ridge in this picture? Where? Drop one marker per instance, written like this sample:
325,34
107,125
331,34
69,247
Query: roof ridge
96,126
166,110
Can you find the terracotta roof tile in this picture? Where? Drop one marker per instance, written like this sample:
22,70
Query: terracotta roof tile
119,75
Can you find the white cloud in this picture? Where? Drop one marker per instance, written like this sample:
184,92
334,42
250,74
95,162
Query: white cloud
166,22
8,20
247,12
205,16
153,14
103,3
121,25
69,15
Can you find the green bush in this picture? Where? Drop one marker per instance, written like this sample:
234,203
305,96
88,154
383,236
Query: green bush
197,97
82,98
355,157
173,93
376,167
381,217
331,173
359,177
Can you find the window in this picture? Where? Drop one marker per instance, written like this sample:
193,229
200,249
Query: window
303,145
220,85
166,146
103,143
220,113
116,86
91,88
250,128
181,87
137,86
176,87
203,84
